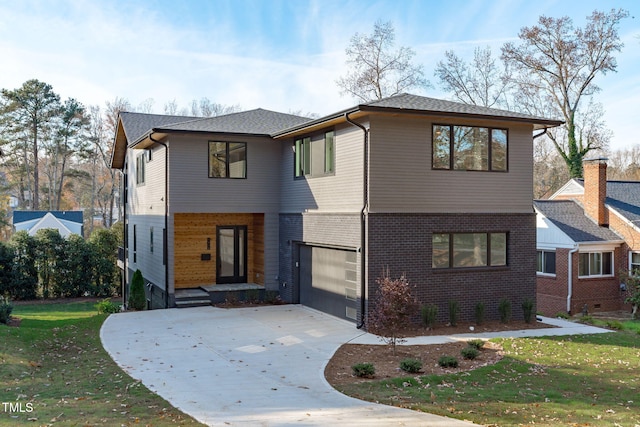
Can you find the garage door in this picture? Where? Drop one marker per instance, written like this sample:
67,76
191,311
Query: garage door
328,280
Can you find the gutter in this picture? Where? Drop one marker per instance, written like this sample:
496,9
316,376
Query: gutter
570,278
363,219
165,252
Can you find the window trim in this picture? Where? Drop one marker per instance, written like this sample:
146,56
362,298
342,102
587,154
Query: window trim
451,167
227,163
487,254
595,276
546,251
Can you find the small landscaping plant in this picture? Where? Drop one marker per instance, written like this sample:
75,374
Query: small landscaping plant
253,296
527,309
448,362
454,311
429,313
470,353
272,297
586,319
562,315
479,313
137,298
614,324
5,310
106,306
411,366
393,307
363,370
477,343
505,310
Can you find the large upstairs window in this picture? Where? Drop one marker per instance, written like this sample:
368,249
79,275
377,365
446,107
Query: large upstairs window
314,156
470,148
227,159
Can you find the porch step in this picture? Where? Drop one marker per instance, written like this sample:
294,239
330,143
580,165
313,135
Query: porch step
192,303
192,298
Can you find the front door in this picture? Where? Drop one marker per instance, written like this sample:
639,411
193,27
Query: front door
231,254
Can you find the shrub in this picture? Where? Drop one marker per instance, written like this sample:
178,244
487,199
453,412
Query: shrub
411,365
454,311
106,306
527,309
562,315
272,297
363,370
586,319
5,310
505,310
614,324
24,283
470,352
392,309
253,296
429,313
477,343
479,313
448,362
137,298
231,298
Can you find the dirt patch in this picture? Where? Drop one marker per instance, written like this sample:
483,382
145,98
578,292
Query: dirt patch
387,363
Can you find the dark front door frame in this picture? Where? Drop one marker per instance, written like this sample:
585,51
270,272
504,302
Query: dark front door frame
231,255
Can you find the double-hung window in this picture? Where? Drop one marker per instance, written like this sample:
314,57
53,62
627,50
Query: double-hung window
460,250
546,262
595,264
469,148
634,263
227,159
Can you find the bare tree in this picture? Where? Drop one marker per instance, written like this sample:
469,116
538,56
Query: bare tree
378,71
557,64
481,82
205,108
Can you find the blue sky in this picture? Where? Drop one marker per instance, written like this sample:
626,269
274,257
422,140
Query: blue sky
282,55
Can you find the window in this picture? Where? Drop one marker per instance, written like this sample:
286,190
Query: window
634,262
135,242
469,148
461,250
302,157
329,155
546,262
227,159
595,264
140,168
151,239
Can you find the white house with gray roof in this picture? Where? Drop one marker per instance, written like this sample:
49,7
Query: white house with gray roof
315,210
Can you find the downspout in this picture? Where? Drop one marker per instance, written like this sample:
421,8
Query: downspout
165,234
570,278
363,216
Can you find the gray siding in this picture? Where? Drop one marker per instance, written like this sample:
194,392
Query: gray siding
340,192
195,192
401,178
146,211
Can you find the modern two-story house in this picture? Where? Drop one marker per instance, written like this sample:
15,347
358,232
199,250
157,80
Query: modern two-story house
317,209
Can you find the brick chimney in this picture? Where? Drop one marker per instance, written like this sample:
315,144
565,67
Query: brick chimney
595,190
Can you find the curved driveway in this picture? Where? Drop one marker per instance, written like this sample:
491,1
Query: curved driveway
247,366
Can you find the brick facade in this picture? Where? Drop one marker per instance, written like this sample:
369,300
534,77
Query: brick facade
402,242
599,294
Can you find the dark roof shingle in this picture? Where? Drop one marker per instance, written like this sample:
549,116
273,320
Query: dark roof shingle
569,217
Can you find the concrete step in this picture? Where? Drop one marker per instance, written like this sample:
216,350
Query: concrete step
184,303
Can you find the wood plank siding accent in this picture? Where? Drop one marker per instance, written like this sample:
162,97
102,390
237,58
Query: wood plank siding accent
402,179
190,241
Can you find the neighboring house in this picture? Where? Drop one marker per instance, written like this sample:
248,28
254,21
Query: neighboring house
317,209
588,228
66,222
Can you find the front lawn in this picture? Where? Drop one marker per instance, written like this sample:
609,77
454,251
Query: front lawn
583,380
53,370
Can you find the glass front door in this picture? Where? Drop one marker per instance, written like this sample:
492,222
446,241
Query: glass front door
231,254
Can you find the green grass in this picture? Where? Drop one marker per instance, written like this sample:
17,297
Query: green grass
54,361
577,380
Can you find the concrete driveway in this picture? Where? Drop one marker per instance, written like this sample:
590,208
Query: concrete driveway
248,366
